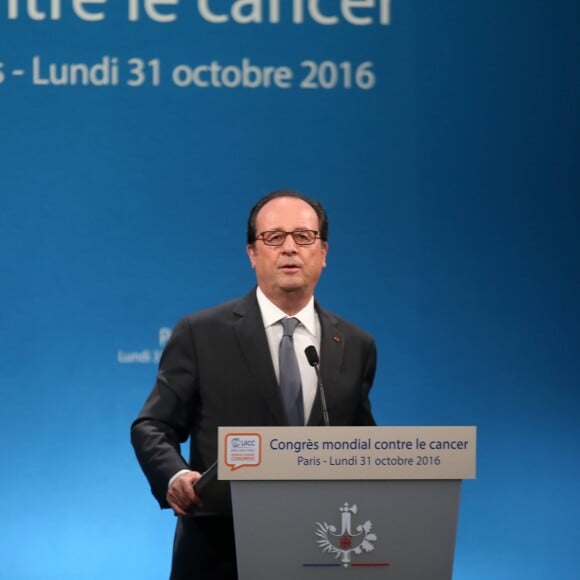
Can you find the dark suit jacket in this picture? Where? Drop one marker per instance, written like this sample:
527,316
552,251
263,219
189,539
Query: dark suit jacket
216,370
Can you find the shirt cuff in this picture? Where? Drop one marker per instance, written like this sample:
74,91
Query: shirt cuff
179,473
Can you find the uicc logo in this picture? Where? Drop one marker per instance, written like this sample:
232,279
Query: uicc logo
243,450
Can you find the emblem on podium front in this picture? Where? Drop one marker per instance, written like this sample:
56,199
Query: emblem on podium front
346,540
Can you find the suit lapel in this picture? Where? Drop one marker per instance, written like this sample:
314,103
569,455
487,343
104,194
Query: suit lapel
331,352
253,343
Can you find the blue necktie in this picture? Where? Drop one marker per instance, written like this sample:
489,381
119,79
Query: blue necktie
290,381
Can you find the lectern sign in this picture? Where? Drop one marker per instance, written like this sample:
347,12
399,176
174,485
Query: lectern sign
323,503
346,453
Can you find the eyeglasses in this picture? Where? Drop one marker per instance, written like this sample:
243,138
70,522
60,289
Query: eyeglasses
278,237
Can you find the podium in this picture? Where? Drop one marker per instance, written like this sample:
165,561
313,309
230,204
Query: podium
346,502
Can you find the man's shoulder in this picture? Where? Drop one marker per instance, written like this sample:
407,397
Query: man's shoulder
224,311
342,325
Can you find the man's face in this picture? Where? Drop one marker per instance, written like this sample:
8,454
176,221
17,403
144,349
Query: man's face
289,268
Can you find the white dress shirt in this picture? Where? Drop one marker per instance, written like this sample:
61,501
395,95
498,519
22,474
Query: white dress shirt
307,333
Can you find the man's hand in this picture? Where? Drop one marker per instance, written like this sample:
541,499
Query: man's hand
180,495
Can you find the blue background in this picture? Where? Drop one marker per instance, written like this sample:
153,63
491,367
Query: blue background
452,189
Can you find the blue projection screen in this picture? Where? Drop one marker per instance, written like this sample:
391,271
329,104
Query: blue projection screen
442,137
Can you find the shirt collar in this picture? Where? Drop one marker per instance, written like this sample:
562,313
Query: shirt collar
271,314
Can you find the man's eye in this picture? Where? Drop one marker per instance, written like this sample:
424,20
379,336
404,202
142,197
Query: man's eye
274,237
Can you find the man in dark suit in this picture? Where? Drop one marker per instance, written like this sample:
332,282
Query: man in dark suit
221,367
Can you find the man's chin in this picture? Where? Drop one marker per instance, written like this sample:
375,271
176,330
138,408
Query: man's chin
290,288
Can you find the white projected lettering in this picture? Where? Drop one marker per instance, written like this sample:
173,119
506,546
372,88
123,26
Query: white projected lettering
247,76
101,74
135,72
52,9
151,10
322,12
355,12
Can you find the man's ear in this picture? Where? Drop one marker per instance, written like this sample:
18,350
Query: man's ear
325,251
251,250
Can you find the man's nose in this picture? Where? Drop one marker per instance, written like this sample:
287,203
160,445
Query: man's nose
289,245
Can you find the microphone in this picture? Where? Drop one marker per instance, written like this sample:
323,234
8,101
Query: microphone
313,360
